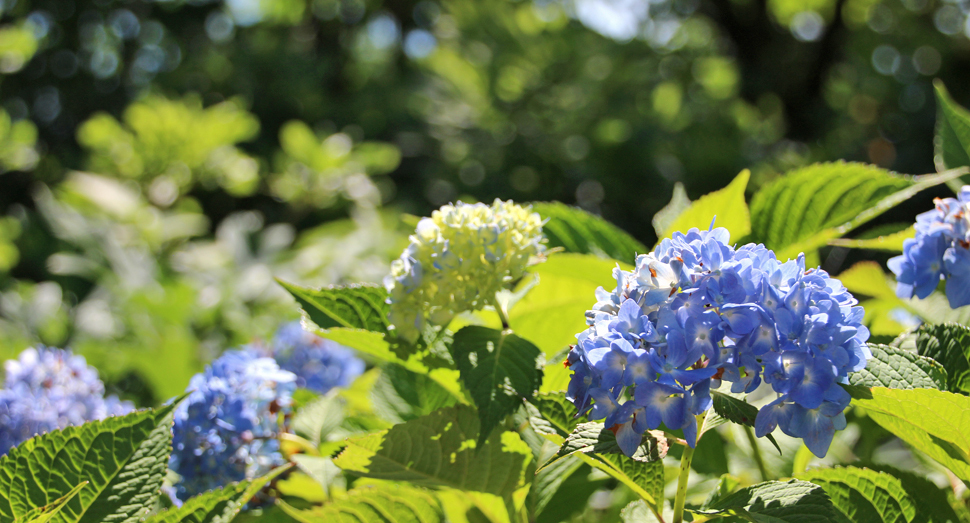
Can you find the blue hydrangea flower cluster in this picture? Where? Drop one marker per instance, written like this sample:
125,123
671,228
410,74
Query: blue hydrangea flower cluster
940,250
319,364
227,429
697,312
47,389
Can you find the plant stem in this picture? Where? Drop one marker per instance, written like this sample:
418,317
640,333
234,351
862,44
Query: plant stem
681,498
756,453
502,316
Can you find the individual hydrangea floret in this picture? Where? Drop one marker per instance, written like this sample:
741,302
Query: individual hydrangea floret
457,260
319,364
227,428
940,250
697,312
47,389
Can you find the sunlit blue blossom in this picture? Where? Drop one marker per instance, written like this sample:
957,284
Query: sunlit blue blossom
47,389
697,312
227,429
940,250
319,364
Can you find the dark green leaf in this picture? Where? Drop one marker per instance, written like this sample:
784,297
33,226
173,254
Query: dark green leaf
790,501
557,415
948,344
123,459
899,369
216,506
864,495
499,369
357,306
400,395
952,142
576,230
440,449
932,502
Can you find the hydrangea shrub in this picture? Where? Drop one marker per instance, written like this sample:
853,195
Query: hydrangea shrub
47,389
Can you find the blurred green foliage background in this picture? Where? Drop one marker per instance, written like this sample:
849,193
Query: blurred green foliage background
163,161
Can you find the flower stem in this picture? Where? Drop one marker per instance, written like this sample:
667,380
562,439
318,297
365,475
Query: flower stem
503,316
756,453
679,501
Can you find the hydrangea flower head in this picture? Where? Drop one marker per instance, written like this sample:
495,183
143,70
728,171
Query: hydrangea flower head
319,364
940,250
697,312
47,389
457,260
226,429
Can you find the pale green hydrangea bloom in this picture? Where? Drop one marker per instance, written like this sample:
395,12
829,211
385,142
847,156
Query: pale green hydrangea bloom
457,260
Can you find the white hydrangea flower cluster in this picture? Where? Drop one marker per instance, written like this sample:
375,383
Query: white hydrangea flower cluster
457,260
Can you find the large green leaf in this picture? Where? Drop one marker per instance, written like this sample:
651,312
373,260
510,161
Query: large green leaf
679,202
440,449
899,369
318,418
499,369
47,512
381,503
932,421
552,313
645,478
375,345
810,199
952,142
578,231
123,459
548,480
400,395
808,207
864,495
216,506
554,414
726,204
790,501
948,344
356,306
932,502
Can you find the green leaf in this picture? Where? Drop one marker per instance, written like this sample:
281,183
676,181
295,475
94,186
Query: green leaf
593,437
356,306
318,418
555,310
123,459
47,512
952,142
548,480
932,421
679,202
321,469
733,409
790,501
556,414
948,344
864,495
499,369
799,213
899,369
637,512
384,502
375,345
440,449
887,242
646,479
578,231
932,502
816,197
726,204
400,395
216,506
